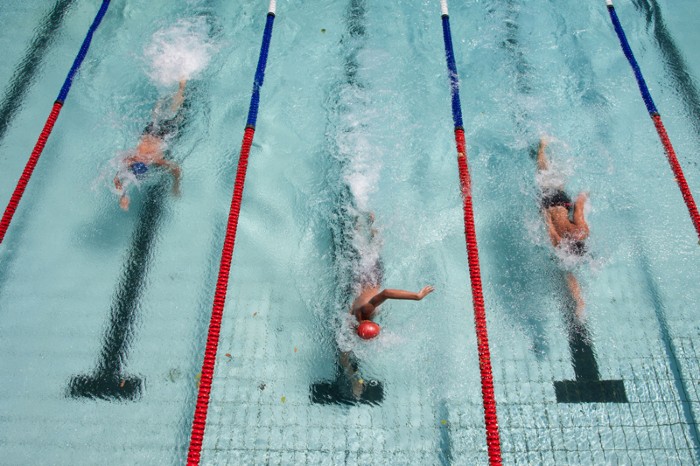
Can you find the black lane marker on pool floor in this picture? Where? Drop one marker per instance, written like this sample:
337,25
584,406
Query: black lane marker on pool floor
26,71
587,388
339,390
669,346
109,381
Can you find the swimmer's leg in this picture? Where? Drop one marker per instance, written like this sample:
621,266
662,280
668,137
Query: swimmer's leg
350,368
542,162
577,295
179,97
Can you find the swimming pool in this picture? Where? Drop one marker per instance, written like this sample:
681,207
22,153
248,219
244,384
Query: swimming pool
354,113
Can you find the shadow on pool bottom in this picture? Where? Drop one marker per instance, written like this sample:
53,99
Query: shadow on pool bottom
339,391
106,387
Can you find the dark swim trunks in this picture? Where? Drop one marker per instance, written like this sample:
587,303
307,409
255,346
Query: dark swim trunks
164,128
555,198
558,198
161,129
577,248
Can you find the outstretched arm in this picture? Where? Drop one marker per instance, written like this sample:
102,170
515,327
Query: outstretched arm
400,294
179,97
579,218
553,235
174,169
542,162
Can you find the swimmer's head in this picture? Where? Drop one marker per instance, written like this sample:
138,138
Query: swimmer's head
368,329
139,169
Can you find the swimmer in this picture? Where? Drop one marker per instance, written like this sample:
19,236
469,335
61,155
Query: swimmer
151,149
566,224
365,305
364,308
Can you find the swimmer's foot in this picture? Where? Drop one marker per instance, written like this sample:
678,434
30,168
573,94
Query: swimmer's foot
532,151
358,387
580,311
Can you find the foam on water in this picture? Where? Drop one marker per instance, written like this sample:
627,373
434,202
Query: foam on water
116,166
360,156
181,51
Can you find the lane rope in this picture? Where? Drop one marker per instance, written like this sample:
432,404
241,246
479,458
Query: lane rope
656,118
199,420
48,126
490,418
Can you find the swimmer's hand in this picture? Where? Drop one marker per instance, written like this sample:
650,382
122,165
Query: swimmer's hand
425,292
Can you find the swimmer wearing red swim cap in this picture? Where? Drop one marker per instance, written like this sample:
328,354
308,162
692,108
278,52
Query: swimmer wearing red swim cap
364,308
369,298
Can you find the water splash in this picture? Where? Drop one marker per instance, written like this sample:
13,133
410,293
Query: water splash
181,51
116,166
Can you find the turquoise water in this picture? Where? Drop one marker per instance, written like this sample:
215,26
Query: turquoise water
332,138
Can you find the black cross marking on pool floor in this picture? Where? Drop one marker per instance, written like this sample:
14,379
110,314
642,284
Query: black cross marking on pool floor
108,380
26,72
587,388
339,391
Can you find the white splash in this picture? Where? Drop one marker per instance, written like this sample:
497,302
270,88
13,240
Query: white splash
363,166
116,167
179,52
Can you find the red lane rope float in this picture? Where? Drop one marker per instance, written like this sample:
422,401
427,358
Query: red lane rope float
493,441
656,117
199,420
48,126
678,172
28,170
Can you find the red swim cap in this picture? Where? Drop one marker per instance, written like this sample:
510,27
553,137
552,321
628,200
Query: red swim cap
368,329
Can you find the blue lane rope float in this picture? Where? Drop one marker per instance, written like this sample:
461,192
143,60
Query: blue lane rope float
452,68
643,88
48,126
656,118
493,441
82,53
260,71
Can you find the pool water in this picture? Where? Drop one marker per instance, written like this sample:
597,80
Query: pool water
354,118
